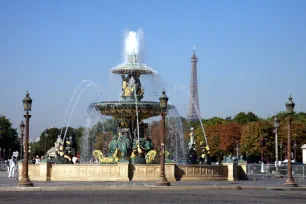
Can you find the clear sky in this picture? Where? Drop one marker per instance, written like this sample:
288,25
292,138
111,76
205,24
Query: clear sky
252,54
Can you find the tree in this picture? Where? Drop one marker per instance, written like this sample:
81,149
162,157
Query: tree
215,120
250,137
243,118
8,137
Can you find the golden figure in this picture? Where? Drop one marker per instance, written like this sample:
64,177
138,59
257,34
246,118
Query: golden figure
150,157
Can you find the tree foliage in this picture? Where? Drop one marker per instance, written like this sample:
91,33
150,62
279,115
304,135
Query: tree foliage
8,137
243,118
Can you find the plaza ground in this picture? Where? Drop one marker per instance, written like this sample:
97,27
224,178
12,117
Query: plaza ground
157,196
259,190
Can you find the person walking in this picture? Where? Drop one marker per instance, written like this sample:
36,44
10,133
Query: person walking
12,167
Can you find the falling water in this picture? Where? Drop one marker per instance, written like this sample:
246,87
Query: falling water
176,135
88,85
86,144
136,104
76,89
179,88
199,116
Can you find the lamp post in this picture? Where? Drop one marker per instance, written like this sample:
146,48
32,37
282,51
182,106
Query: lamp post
290,110
25,181
294,147
4,154
281,151
163,105
263,143
237,149
22,126
9,153
276,126
0,154
46,136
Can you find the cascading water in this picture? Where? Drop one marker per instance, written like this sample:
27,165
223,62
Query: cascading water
98,88
199,116
92,116
176,144
74,92
137,119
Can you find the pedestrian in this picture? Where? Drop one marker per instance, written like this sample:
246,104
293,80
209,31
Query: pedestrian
12,167
74,159
37,160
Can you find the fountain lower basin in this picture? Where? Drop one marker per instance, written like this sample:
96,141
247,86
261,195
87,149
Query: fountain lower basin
46,171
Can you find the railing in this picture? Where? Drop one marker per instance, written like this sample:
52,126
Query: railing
3,167
268,170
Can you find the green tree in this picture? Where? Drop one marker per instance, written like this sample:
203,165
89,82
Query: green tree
215,120
243,118
8,137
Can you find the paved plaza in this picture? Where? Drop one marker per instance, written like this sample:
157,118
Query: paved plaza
259,183
157,196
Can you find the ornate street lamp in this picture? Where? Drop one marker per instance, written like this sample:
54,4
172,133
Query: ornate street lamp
22,126
276,126
27,105
281,150
164,106
290,110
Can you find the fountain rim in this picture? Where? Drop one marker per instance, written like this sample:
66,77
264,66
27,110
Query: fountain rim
156,103
131,68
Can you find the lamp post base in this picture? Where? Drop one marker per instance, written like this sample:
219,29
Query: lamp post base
162,182
290,182
25,183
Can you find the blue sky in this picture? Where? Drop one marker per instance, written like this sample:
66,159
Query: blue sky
252,54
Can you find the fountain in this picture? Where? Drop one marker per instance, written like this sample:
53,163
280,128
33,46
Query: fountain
131,132
131,155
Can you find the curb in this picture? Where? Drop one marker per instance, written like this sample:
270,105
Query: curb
144,188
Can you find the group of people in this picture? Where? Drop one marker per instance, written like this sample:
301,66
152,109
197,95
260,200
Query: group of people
11,165
37,159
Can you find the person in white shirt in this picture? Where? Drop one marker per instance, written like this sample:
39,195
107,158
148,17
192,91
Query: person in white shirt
12,167
37,160
74,159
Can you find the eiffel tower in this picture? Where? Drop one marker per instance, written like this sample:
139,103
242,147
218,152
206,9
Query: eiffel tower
193,107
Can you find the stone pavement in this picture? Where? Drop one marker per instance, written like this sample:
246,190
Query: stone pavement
261,183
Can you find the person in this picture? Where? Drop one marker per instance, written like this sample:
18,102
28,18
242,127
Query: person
37,160
74,159
193,155
12,167
33,160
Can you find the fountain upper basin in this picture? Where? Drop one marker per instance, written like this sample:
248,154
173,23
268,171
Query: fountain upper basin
131,68
127,109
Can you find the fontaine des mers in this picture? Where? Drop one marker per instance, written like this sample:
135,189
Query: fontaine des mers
130,156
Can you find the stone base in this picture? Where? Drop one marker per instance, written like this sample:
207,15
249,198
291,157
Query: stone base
151,172
290,183
201,172
90,172
25,182
128,172
162,182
